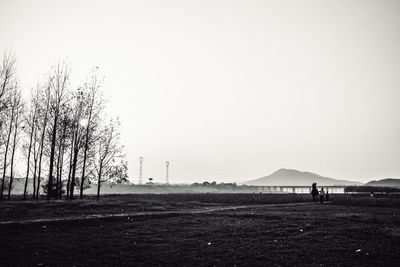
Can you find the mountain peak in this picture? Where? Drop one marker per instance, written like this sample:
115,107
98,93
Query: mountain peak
285,177
286,171
291,172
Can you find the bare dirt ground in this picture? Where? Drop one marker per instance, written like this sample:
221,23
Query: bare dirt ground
184,211
197,230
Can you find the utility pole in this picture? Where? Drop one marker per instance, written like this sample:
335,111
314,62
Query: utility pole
167,173
141,170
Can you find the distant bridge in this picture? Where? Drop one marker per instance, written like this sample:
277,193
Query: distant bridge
335,189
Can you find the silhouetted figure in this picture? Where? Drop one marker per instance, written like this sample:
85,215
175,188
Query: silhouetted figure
322,195
327,195
314,192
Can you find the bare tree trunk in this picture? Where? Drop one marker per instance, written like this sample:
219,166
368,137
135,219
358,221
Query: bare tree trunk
29,155
12,159
52,154
58,182
70,167
61,161
61,170
39,172
34,179
73,174
35,160
99,182
84,167
40,163
69,175
5,156
86,146
42,144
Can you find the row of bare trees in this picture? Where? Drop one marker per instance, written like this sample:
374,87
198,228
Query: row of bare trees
62,133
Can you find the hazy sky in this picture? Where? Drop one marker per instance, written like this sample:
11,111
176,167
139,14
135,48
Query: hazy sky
230,90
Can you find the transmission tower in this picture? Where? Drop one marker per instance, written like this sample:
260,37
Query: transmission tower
167,173
141,170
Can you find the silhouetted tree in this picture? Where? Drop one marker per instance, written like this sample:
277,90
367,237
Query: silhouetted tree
44,116
30,129
7,146
18,109
91,120
108,151
77,131
62,128
7,79
58,83
7,84
62,143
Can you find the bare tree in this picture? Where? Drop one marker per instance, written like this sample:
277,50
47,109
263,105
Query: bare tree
7,78
58,83
7,146
62,145
17,106
71,152
35,152
44,110
77,131
61,128
7,83
31,127
108,150
92,117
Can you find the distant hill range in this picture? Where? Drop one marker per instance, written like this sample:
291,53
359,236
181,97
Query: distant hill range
287,177
389,182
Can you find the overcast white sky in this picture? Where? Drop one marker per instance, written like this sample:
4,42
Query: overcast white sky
230,90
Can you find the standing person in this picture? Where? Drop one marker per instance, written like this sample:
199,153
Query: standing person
327,195
314,192
321,195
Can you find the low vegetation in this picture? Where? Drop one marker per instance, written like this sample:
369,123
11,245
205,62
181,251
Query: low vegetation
366,200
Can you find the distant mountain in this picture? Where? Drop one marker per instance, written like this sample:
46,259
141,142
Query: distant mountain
389,182
287,177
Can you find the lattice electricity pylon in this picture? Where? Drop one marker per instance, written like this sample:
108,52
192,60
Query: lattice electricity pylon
141,170
167,173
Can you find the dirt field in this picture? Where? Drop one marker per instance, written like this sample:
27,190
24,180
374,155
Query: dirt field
192,230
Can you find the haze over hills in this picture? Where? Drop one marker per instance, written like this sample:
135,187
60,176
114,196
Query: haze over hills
287,177
391,182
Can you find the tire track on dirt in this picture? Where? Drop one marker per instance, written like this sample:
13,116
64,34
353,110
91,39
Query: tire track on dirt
147,213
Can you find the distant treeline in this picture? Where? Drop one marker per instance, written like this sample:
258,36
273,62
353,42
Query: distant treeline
390,182
214,184
369,189
63,134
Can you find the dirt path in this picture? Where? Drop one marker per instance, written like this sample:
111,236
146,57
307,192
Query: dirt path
147,213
